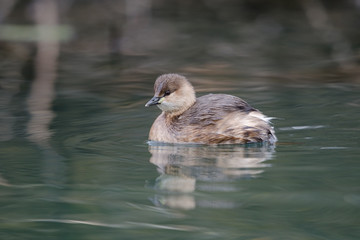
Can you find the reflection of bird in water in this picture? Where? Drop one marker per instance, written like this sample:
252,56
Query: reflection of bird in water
210,119
185,168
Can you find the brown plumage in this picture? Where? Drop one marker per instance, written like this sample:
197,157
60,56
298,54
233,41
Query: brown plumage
210,119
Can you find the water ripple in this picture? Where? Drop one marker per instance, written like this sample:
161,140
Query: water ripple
126,225
301,127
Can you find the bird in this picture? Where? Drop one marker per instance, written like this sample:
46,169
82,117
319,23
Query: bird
210,119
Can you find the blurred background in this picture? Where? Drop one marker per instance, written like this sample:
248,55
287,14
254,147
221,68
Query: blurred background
274,39
74,78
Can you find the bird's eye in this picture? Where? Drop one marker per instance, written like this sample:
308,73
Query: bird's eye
167,93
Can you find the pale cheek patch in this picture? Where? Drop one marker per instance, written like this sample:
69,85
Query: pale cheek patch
161,100
167,106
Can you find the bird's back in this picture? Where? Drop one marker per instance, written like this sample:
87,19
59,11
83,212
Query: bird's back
221,119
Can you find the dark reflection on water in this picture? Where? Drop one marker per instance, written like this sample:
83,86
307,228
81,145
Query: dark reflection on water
184,169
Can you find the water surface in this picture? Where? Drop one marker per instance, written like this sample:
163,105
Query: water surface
97,177
74,158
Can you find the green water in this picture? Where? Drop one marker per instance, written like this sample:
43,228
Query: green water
97,178
74,158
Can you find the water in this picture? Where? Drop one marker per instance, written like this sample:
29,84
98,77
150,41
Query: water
75,162
97,177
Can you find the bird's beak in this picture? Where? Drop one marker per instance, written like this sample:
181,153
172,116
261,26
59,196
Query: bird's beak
154,101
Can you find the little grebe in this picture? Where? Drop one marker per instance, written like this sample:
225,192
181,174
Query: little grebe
210,119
